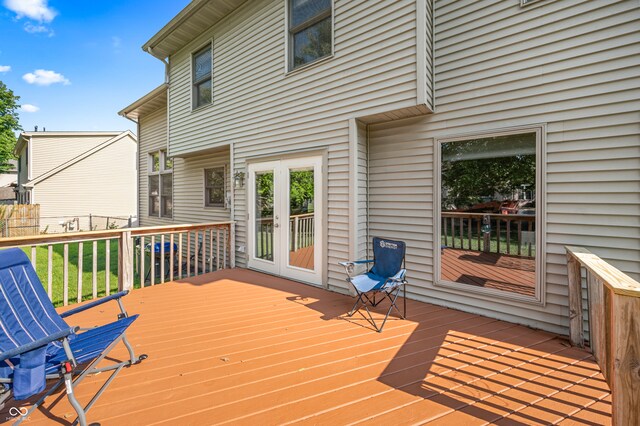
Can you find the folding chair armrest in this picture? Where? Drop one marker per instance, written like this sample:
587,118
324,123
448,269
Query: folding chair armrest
349,266
95,303
399,277
38,343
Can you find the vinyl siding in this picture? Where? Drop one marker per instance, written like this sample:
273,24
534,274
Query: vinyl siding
49,152
373,69
100,184
576,70
266,112
188,176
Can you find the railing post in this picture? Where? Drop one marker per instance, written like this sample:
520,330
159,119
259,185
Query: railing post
296,235
576,327
625,357
125,261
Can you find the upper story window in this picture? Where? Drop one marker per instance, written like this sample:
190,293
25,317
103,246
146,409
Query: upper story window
214,187
202,77
160,184
310,31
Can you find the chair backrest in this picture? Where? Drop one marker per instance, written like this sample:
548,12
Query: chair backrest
388,257
26,313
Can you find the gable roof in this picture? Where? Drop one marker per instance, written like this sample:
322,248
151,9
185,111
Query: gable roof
79,158
193,20
152,101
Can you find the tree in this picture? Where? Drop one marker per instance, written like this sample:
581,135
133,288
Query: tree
476,170
9,124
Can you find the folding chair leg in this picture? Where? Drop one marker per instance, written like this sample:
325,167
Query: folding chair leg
82,417
39,402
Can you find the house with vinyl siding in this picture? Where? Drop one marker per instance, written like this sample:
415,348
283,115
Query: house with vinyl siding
371,106
73,175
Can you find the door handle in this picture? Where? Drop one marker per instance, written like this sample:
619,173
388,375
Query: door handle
276,225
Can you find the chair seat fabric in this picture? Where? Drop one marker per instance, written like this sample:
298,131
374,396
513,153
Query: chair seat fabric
87,346
368,282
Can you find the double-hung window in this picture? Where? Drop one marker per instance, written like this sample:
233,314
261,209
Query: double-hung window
214,187
160,184
310,31
202,77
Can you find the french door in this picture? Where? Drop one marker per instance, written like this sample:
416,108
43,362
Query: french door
285,218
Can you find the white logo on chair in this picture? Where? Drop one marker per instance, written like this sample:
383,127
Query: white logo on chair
386,244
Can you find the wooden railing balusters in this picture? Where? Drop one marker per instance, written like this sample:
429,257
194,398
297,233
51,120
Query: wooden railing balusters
152,260
94,270
65,275
107,267
161,259
50,271
80,259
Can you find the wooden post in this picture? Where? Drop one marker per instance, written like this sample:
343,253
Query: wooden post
125,261
576,328
625,374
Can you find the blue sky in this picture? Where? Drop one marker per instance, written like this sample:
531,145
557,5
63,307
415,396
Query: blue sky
75,64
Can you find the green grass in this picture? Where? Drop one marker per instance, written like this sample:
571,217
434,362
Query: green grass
57,262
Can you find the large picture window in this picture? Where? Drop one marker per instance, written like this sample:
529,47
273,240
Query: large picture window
214,187
310,31
202,77
160,184
489,206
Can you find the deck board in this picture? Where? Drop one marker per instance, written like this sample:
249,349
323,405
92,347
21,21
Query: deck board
241,347
491,270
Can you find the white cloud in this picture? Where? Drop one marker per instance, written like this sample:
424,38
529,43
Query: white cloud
35,29
38,10
29,108
45,78
5,68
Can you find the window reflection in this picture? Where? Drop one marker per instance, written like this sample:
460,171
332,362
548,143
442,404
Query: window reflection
488,212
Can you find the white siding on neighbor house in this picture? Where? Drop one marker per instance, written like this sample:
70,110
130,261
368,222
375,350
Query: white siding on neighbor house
265,112
572,65
48,152
101,184
188,176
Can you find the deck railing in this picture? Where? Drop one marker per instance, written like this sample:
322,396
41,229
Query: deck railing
508,233
301,234
613,309
140,256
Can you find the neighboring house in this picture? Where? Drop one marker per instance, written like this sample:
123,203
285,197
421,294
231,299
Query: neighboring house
8,182
77,174
372,104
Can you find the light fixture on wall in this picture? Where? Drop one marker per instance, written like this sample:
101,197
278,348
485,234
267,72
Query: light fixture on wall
238,180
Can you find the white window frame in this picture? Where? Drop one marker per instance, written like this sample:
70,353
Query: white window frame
225,184
540,225
162,171
288,43
194,106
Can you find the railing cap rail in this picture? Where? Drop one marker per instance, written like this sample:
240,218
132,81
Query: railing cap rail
472,214
103,234
616,280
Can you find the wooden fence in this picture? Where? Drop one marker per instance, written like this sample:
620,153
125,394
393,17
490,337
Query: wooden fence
134,248
508,233
613,311
20,220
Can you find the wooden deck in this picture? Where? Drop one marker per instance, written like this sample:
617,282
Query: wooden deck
240,347
491,270
302,258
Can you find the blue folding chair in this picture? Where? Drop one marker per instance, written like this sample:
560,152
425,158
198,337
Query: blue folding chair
385,278
37,345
